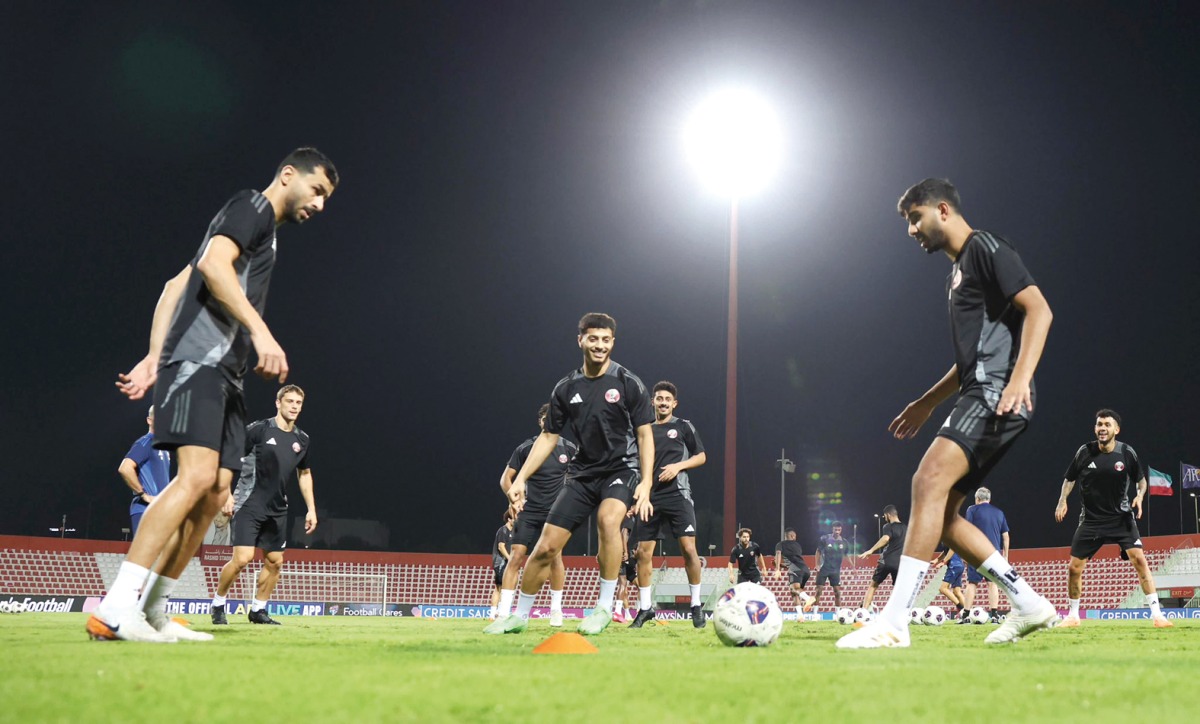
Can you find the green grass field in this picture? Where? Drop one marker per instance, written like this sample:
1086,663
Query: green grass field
371,669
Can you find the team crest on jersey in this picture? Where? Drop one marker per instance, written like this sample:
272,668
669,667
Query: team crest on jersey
672,434
1119,466
956,278
612,395
562,458
296,447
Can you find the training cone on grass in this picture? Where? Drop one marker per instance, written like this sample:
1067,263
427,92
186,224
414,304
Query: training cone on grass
565,643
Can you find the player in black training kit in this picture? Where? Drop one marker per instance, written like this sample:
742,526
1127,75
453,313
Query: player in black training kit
1104,470
629,567
541,491
892,543
999,321
501,555
748,557
830,550
276,451
608,411
789,550
206,321
677,449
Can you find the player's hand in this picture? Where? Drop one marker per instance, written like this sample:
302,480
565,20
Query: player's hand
1060,511
1137,505
669,472
150,498
641,501
516,495
272,362
138,380
227,506
1015,397
910,419
310,521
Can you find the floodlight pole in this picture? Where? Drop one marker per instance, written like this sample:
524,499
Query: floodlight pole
730,514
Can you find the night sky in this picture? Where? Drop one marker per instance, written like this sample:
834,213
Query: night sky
507,167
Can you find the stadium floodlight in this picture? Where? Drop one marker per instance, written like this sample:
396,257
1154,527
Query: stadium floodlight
733,138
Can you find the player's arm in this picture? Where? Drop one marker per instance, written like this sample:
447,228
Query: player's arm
1141,493
670,471
732,570
1005,546
306,492
216,266
762,563
503,549
943,559
542,447
506,479
912,417
778,563
641,494
1060,511
878,544
1017,393
128,472
138,380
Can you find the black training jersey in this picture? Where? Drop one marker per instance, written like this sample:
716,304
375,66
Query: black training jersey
603,414
1104,480
503,535
832,550
746,558
985,324
202,331
542,487
675,441
272,458
792,553
895,545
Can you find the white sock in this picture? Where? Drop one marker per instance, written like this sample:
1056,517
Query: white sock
556,599
645,602
124,592
1022,597
1074,604
258,605
218,601
909,577
605,599
525,604
154,597
694,588
1152,602
506,597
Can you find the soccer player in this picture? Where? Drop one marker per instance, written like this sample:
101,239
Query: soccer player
831,549
677,449
542,489
951,586
999,321
1104,470
207,319
276,451
991,520
749,559
146,471
892,544
629,567
501,556
798,572
608,410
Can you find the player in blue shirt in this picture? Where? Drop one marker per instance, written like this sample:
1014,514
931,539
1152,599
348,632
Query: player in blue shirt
146,471
951,586
989,519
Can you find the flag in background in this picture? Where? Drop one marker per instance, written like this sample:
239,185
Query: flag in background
1160,483
1189,476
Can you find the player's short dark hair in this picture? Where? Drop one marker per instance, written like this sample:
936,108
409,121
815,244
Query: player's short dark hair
597,320
508,515
928,192
544,410
308,160
891,510
286,389
664,386
744,530
788,530
836,524
1109,413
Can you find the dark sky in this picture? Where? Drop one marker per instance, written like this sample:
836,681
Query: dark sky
509,166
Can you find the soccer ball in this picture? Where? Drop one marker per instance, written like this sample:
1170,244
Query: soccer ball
935,616
916,615
747,615
844,616
979,614
4,607
863,616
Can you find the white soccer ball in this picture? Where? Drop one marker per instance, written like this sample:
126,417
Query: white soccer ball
935,616
979,614
20,607
916,615
4,607
747,615
844,616
863,616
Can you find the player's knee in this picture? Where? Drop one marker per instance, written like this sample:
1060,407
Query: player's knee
196,484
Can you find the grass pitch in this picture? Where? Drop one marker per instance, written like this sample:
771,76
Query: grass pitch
374,669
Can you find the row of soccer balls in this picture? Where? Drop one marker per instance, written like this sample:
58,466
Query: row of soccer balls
12,607
932,616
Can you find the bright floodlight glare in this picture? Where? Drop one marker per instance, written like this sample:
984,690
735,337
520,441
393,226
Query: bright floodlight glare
734,141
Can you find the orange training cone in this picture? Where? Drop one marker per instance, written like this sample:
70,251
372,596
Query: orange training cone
565,643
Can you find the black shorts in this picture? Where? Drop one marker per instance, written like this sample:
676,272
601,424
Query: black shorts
672,509
834,577
974,576
1091,537
258,529
799,575
629,567
197,405
983,435
498,574
529,528
883,570
580,497
755,577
